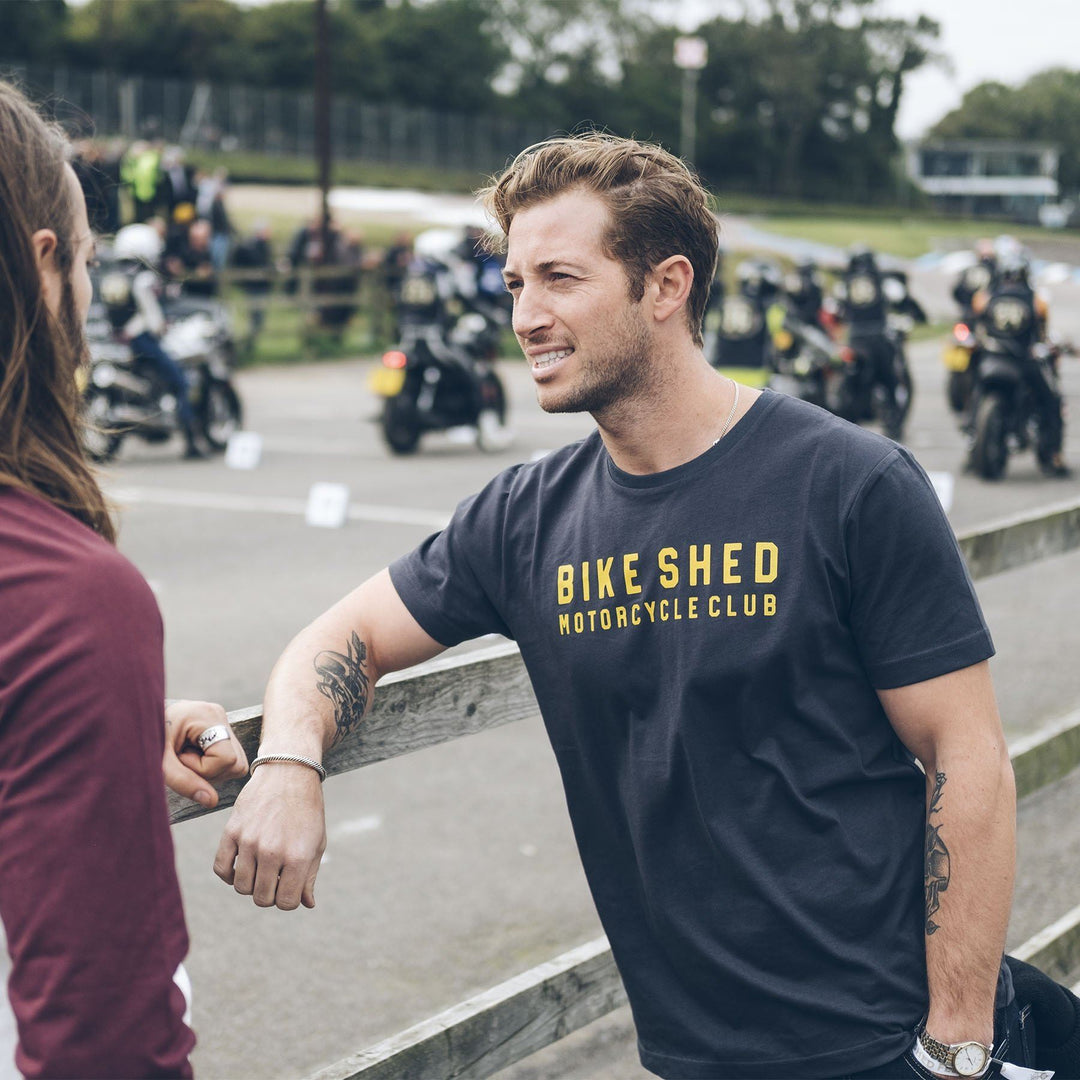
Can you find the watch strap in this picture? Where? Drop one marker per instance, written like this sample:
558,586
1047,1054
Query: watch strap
932,1061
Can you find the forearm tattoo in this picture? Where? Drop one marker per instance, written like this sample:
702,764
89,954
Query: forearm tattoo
344,680
937,873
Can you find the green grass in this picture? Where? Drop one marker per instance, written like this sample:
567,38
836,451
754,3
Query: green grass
905,237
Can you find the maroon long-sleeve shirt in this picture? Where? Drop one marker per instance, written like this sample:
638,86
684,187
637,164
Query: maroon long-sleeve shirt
89,896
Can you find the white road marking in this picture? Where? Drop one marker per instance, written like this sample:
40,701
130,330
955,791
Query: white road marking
369,823
270,504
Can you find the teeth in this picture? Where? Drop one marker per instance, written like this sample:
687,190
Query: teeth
549,358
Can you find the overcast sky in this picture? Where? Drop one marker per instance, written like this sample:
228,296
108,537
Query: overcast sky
1007,40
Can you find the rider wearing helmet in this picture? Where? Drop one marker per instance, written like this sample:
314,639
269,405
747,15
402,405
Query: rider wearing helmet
1012,311
742,340
975,278
804,291
130,294
864,306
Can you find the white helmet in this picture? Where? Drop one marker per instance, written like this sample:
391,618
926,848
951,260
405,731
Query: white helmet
138,242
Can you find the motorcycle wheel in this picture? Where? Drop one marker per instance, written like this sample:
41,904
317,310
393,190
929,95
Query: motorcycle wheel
989,450
100,442
400,426
902,395
220,414
958,390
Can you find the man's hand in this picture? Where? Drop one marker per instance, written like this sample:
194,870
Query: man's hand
273,845
188,769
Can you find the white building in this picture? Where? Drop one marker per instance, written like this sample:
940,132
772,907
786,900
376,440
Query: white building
996,177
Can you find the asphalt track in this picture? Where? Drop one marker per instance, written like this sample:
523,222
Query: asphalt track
452,869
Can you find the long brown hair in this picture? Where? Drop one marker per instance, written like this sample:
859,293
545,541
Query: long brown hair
40,443
658,207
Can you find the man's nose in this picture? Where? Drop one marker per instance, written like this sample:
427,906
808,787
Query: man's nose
530,312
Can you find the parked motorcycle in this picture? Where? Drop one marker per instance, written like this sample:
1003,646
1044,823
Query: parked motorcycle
960,358
859,393
437,380
805,362
123,393
1004,416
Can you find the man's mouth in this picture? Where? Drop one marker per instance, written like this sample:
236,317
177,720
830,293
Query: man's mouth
542,360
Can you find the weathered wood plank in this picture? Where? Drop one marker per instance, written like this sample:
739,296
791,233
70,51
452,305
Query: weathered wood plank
1022,539
499,1027
1046,755
1055,950
412,710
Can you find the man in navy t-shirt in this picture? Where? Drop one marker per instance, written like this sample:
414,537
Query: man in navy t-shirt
747,624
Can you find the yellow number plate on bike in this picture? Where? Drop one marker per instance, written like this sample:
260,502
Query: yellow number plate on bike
386,382
957,359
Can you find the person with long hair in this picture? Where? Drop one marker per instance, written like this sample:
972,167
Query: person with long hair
89,898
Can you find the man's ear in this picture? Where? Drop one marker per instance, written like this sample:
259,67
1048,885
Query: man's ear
45,243
671,280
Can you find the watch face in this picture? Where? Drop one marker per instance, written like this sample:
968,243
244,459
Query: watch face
970,1059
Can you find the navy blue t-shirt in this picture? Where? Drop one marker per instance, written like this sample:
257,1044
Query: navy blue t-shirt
705,645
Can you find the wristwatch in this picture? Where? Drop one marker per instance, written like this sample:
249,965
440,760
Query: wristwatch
965,1058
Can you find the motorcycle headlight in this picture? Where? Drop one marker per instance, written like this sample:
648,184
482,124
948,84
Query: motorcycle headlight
103,375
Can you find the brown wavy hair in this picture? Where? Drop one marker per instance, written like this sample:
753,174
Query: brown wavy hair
658,207
40,426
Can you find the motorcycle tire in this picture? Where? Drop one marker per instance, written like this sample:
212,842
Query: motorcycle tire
100,443
220,414
898,412
958,390
989,448
400,425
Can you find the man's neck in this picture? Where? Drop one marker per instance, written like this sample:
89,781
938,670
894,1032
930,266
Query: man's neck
679,418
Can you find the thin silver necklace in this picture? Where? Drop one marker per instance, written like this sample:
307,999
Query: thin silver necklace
730,415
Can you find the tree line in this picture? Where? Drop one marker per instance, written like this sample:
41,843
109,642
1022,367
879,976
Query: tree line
798,97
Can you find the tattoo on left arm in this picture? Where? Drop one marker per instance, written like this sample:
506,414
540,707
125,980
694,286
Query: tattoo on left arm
937,872
344,680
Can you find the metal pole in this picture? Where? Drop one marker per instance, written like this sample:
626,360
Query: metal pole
688,131
322,116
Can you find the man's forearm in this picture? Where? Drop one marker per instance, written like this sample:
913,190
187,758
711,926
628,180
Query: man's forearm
320,688
969,869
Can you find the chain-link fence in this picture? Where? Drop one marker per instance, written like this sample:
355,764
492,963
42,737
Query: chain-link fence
240,118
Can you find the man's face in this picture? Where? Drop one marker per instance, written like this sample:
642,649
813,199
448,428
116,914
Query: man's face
588,344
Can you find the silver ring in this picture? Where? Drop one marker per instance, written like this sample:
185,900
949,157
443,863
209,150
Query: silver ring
217,733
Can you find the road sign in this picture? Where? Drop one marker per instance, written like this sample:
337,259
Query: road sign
691,53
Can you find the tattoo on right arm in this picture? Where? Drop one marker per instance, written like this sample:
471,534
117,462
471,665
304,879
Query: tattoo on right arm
938,872
343,678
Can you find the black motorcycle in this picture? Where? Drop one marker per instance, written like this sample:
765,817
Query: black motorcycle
124,394
438,379
806,362
1004,415
859,393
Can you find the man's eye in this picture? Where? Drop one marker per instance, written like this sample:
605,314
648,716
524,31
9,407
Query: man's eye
512,285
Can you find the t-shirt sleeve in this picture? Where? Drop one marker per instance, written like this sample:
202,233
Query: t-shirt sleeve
88,889
914,611
454,583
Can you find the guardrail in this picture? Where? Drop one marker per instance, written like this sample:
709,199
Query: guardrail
449,698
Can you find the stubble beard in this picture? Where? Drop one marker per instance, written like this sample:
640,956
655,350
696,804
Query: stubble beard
611,379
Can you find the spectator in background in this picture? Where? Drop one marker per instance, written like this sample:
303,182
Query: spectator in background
98,187
191,263
255,253
176,186
395,262
308,249
140,170
210,204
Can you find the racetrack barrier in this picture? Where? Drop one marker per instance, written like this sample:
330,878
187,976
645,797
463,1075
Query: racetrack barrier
451,697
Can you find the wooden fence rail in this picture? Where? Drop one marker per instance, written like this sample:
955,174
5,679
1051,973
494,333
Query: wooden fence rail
456,696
